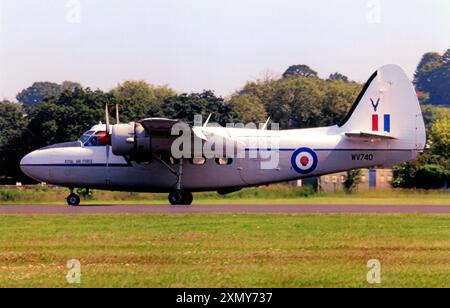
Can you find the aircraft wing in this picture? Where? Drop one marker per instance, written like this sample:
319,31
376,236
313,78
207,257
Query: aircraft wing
369,136
159,125
160,130
162,127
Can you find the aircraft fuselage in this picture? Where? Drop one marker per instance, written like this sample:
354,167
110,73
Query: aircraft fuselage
99,168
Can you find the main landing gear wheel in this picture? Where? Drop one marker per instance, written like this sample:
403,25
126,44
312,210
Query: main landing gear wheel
73,200
180,197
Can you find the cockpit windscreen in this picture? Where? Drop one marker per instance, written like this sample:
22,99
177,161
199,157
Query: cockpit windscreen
95,139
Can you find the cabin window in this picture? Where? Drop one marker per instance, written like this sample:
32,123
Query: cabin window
198,161
224,161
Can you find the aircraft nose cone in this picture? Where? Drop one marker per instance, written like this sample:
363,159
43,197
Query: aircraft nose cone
26,164
26,160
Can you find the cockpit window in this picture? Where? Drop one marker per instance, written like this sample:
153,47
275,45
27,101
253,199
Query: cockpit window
86,136
95,139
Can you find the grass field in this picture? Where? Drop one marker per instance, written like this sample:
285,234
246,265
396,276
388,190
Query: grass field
226,250
278,194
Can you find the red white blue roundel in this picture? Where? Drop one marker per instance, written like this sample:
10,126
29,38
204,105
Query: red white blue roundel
304,161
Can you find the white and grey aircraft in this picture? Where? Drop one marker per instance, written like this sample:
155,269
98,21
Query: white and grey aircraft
384,127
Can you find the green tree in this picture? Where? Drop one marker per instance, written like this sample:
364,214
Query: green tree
440,138
65,118
338,99
293,102
430,176
70,86
432,169
139,100
38,92
338,77
301,102
186,106
432,114
12,125
353,179
303,98
441,90
246,109
300,71
432,78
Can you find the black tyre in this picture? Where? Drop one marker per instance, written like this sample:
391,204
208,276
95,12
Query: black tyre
180,198
176,198
188,198
73,200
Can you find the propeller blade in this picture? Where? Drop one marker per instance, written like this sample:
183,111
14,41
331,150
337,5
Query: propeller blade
107,119
266,124
117,114
207,121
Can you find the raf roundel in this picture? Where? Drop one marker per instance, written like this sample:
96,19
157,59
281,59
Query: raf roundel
304,161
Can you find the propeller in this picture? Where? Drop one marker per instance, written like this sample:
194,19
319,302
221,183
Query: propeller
107,120
266,125
207,121
117,114
106,139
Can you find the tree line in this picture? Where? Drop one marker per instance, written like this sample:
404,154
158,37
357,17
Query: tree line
432,78
49,113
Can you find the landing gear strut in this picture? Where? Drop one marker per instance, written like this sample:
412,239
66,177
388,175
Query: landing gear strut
73,199
178,196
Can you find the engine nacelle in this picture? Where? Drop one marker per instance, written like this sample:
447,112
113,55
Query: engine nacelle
131,140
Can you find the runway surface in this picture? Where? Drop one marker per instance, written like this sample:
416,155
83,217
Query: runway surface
306,209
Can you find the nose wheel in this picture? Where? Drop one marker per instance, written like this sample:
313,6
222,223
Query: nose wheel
73,199
180,197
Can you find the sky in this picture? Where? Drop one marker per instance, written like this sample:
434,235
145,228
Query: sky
193,45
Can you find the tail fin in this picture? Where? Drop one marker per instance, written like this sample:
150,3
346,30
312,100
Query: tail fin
388,107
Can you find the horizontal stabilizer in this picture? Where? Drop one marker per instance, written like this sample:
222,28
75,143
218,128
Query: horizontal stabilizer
369,135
